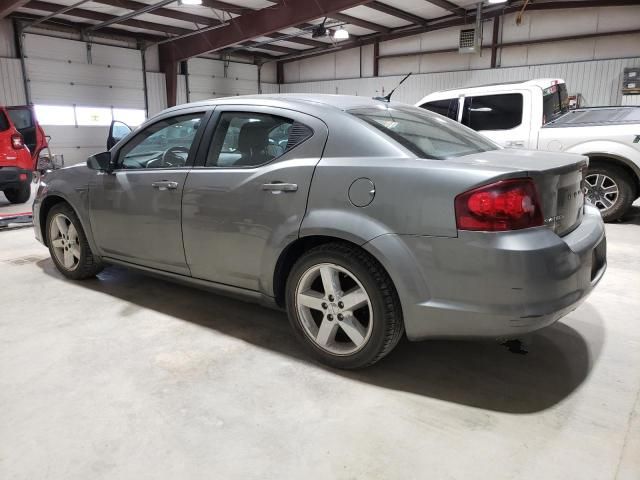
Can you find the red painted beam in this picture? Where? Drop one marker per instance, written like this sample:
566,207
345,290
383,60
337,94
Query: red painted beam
7,7
254,24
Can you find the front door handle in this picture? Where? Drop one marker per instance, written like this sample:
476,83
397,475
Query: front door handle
277,187
514,143
165,185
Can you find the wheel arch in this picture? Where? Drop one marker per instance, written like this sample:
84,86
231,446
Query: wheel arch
45,207
603,158
294,250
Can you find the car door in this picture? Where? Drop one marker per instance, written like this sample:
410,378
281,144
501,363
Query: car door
23,118
246,197
505,118
136,210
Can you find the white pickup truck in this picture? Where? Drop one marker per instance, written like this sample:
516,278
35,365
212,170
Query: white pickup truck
535,114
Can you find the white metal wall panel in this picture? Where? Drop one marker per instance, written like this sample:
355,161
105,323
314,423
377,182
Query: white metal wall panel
268,73
11,82
598,81
77,143
181,93
156,92
207,80
68,72
116,57
50,48
268,88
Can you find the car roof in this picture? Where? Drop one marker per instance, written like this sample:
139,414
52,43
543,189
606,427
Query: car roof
297,101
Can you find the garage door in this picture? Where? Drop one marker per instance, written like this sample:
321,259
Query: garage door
78,88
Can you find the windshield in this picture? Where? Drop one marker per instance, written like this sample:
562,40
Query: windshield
555,102
427,135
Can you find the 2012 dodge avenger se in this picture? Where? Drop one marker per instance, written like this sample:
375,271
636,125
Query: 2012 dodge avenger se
363,218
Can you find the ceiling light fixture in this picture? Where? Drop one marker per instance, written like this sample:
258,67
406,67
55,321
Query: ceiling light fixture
496,1
341,34
189,2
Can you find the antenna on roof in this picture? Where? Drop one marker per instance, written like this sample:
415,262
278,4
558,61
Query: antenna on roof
387,97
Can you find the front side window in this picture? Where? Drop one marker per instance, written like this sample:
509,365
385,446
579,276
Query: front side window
165,144
447,108
425,134
246,139
493,112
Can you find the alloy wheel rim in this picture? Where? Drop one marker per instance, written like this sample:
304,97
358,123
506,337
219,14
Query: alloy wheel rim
334,309
65,242
601,190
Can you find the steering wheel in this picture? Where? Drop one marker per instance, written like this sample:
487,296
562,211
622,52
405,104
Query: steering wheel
166,159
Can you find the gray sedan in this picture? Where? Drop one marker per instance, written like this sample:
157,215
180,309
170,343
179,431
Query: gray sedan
364,219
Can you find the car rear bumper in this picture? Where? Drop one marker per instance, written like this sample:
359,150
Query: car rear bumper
497,285
10,177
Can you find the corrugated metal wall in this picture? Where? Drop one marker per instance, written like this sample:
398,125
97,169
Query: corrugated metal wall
598,81
156,92
11,84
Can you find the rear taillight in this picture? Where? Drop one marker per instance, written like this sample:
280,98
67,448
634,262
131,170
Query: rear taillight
16,141
500,206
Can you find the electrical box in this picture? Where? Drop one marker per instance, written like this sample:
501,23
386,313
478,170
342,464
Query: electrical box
631,81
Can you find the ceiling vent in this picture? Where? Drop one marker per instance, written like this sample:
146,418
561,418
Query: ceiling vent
470,40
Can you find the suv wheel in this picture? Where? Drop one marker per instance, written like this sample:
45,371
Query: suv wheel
610,189
343,306
20,194
68,244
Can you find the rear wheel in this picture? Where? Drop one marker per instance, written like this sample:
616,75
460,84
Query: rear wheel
68,244
610,189
19,194
343,306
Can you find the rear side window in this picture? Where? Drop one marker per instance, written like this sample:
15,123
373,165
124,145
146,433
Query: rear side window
555,102
245,139
493,112
424,134
4,123
21,118
447,108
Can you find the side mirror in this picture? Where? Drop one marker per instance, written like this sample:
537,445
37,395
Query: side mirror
117,131
100,161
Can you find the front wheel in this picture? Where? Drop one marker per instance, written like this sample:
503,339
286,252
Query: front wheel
609,188
68,244
343,306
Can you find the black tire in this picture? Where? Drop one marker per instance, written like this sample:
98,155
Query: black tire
626,190
88,264
387,325
19,194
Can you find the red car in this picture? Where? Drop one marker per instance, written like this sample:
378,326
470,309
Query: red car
21,141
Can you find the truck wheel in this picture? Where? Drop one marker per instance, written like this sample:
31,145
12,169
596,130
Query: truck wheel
343,306
68,244
610,189
20,194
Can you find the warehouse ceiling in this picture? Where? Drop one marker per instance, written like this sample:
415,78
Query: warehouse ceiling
268,29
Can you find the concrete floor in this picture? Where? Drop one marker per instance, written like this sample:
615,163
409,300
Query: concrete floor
129,377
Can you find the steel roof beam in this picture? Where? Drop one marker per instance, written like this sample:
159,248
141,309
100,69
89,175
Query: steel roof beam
358,22
396,12
7,7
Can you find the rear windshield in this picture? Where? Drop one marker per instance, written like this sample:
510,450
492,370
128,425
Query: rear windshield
4,123
555,102
425,134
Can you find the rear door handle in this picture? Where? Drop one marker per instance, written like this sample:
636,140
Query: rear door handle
514,143
277,187
165,185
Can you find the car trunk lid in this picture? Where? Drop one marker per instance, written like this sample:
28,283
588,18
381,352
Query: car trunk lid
558,178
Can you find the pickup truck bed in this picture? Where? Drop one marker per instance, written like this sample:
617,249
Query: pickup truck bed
597,116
